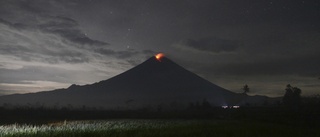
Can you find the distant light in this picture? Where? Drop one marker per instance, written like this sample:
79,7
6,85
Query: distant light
159,56
225,107
235,106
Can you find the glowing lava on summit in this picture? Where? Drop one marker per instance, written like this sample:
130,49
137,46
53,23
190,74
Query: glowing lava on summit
159,56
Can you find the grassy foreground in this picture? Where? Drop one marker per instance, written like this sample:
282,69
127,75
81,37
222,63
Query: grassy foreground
158,128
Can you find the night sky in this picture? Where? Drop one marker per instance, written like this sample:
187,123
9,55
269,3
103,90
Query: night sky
267,44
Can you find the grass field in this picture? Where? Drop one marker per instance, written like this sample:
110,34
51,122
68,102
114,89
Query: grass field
215,122
158,128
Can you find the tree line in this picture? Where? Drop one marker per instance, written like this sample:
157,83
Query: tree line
291,98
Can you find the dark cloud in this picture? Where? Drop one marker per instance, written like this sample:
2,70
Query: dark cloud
50,50
215,45
299,66
64,27
68,28
85,40
5,22
39,18
30,6
105,51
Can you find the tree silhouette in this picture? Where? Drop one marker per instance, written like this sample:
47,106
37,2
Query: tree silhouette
245,89
292,96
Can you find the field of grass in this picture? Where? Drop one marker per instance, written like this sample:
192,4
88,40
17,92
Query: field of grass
215,122
158,128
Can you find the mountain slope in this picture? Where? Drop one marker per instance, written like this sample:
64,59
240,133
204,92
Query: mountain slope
152,83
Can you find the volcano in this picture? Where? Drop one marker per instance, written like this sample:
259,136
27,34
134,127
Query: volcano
157,81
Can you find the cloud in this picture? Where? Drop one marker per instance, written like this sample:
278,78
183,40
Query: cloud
300,66
214,45
30,44
42,49
31,86
34,44
56,39
42,17
68,28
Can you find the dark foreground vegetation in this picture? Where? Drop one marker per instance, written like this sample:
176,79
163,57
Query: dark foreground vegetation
302,116
214,121
289,119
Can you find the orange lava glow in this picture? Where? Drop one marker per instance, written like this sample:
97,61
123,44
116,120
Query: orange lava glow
159,56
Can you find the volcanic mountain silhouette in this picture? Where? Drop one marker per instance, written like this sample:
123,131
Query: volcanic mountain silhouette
152,83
